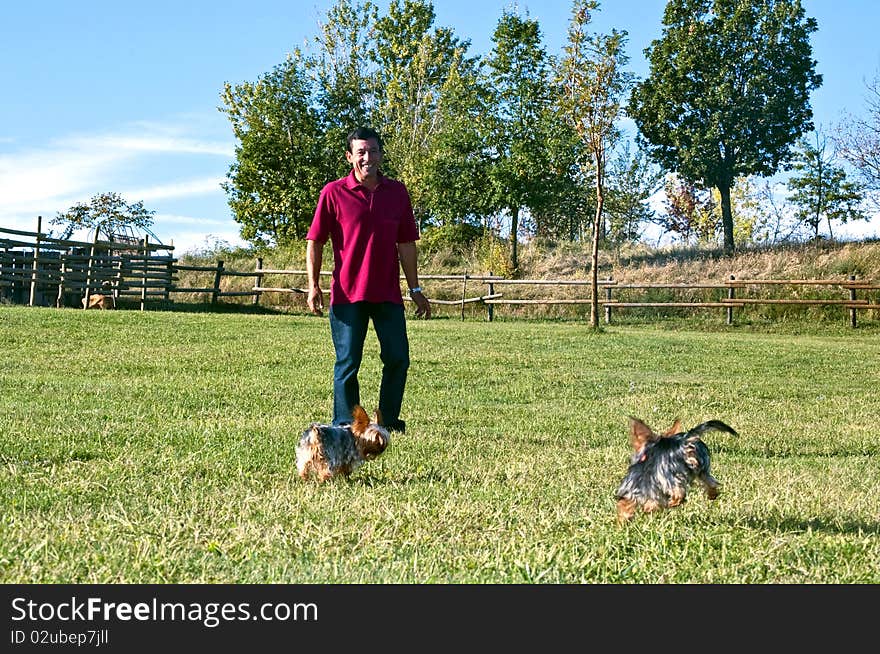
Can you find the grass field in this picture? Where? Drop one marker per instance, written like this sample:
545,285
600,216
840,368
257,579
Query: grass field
158,447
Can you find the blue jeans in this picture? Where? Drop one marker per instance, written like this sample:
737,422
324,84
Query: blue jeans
348,327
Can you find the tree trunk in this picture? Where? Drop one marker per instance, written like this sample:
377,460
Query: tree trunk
514,241
726,216
594,258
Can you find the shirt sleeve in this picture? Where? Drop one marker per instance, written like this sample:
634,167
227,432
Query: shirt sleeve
324,213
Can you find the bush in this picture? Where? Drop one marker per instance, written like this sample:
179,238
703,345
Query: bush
458,238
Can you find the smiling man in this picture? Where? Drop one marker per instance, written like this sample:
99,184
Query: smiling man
369,220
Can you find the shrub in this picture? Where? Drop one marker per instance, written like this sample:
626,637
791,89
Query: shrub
459,238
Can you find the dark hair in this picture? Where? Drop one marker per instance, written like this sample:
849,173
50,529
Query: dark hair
363,134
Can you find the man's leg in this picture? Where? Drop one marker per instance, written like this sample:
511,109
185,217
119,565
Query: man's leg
389,321
348,327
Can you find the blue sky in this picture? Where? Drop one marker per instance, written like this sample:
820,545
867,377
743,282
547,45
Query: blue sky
120,96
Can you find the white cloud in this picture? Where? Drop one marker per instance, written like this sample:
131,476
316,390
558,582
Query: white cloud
177,190
150,143
47,178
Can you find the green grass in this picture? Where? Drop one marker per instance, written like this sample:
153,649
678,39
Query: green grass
158,447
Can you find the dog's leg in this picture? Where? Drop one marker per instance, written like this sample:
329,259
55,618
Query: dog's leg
651,505
676,496
626,509
710,484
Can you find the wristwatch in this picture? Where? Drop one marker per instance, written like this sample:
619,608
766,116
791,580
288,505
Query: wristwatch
415,289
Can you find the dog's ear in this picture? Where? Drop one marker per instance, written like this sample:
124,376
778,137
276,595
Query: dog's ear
379,420
640,434
360,419
675,429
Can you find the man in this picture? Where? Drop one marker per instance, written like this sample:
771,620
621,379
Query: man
369,220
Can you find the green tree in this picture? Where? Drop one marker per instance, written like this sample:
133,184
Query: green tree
820,189
567,206
344,78
280,165
519,75
106,213
728,91
413,65
593,84
456,169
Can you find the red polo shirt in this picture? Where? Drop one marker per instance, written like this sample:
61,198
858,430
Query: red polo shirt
364,228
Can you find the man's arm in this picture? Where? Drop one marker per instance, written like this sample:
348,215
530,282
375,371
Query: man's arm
409,263
314,257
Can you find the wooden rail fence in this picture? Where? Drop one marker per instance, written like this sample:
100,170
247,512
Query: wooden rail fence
730,292
36,269
47,271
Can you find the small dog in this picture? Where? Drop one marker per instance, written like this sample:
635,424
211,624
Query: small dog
664,465
99,301
102,300
330,450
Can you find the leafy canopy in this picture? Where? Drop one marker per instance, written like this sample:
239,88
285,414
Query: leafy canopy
107,212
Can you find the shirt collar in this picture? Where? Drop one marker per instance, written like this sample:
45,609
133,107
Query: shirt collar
352,182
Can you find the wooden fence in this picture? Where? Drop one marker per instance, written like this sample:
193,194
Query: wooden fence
49,271
731,294
38,270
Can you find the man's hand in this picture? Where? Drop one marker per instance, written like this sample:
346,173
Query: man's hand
423,307
316,301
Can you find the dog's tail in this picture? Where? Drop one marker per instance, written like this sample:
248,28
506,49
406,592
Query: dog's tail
711,425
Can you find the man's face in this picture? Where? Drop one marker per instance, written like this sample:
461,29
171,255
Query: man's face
365,158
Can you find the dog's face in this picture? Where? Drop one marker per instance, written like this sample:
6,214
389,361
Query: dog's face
374,441
372,438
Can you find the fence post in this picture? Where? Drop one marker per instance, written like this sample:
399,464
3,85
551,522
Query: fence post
852,296
59,301
217,276
463,292
169,281
491,307
146,271
90,266
3,256
36,267
259,282
731,294
608,299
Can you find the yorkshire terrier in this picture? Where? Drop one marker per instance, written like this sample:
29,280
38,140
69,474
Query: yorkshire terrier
331,450
663,466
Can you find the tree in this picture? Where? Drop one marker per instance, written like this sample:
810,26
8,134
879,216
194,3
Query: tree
345,80
456,171
280,163
690,211
594,83
518,73
858,139
820,189
413,65
106,212
728,91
